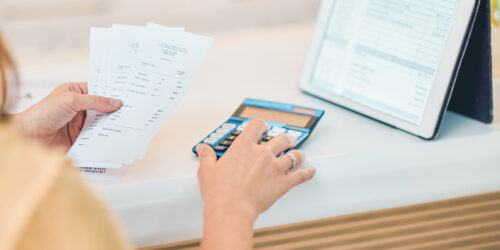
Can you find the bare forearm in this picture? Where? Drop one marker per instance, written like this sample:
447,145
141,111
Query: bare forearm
227,228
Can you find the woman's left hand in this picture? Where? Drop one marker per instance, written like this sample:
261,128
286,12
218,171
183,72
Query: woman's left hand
57,120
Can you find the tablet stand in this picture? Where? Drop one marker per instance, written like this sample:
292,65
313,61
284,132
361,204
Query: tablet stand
472,94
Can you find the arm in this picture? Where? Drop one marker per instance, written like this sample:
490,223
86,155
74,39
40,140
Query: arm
243,183
227,226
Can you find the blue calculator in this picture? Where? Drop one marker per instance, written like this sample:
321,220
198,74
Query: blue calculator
282,118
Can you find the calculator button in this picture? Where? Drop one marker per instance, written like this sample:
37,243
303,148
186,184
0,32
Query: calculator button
241,128
228,125
219,148
278,130
266,138
230,138
294,133
222,130
236,132
217,135
210,141
225,143
273,133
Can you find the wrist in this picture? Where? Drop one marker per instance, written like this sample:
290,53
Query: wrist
230,209
227,225
23,123
17,121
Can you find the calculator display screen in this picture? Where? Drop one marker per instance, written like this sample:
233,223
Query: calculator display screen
291,119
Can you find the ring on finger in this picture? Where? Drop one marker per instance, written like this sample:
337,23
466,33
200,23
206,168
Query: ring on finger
293,158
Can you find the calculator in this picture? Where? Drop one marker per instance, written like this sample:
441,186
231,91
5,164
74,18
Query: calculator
282,118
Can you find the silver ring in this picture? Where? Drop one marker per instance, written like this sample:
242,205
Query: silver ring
294,160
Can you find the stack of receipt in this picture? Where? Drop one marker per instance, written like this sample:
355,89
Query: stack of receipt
149,68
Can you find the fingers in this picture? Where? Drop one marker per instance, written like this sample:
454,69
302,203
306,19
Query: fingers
79,102
206,154
281,143
285,161
299,176
254,130
76,125
81,86
76,87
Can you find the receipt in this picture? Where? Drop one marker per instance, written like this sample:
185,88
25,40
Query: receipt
98,47
149,68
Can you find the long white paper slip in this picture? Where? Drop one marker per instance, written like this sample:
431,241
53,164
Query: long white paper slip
98,47
121,58
101,174
163,67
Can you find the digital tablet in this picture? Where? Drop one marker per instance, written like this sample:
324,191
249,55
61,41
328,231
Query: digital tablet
393,61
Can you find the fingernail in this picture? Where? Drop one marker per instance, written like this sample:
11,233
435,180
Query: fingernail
200,148
312,169
115,102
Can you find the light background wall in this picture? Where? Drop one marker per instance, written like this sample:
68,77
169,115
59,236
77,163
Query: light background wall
54,27
496,50
39,30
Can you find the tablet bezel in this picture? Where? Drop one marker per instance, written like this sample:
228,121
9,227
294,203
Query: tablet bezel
442,86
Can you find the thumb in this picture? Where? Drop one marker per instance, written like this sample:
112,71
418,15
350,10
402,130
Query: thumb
206,154
80,102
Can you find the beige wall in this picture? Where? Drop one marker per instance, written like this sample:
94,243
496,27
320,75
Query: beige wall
52,27
59,26
496,50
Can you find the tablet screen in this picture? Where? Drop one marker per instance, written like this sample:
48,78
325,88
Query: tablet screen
384,54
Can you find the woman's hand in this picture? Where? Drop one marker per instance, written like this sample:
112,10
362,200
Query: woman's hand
58,119
243,183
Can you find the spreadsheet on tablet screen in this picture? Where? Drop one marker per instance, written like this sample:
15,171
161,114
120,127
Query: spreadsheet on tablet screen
384,53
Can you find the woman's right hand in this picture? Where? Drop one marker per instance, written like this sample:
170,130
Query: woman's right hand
245,182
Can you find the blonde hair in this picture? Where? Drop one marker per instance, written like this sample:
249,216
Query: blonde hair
7,68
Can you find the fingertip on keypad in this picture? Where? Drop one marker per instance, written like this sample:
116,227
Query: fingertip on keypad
224,136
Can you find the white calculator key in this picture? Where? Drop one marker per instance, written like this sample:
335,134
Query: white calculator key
272,133
294,133
210,141
222,130
244,123
241,128
217,135
229,125
278,130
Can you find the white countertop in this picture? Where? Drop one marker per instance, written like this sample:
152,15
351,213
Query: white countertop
362,164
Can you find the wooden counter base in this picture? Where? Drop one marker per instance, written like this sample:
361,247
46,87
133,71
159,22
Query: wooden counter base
467,223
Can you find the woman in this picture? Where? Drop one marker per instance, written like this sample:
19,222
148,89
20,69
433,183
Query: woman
45,205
